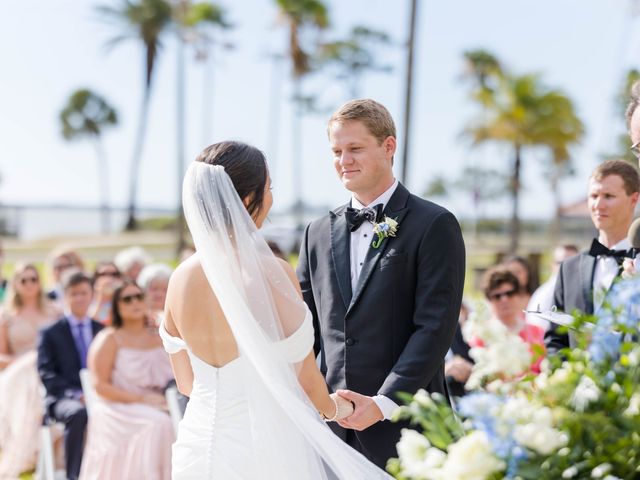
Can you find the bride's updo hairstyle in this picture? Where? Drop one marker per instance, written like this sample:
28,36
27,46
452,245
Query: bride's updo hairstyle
246,167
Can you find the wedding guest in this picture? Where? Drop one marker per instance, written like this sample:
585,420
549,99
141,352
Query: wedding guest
154,280
130,433
542,298
62,352
24,312
106,278
131,261
61,263
504,294
521,268
584,280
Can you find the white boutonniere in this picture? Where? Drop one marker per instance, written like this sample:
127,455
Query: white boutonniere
386,228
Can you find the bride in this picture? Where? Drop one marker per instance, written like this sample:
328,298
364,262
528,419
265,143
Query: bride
240,339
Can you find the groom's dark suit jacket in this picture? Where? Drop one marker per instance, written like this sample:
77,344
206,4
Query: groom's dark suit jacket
574,290
390,335
59,361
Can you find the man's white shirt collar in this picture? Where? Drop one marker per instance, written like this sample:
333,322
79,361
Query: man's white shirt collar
383,199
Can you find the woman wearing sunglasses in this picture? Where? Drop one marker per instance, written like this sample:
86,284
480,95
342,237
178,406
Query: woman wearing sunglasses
130,432
505,297
25,311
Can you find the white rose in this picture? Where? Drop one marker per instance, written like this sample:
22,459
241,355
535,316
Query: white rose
471,458
540,438
417,457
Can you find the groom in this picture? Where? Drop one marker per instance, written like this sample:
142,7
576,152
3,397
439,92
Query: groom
385,307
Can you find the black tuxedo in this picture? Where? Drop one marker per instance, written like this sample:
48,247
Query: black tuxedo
59,366
573,291
390,335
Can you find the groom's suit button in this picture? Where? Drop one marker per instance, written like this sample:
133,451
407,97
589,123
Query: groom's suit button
350,342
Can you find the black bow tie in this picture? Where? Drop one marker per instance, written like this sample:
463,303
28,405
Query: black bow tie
356,217
599,249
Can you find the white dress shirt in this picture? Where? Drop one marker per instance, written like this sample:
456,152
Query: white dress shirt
360,242
605,272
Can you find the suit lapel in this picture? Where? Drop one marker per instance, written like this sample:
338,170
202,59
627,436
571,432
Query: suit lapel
341,253
396,209
587,269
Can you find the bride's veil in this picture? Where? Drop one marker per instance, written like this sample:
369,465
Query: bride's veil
267,318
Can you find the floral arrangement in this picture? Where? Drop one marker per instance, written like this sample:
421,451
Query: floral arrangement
578,419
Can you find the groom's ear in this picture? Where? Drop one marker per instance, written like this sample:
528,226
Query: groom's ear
389,145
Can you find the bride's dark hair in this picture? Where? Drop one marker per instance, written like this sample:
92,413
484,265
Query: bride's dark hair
246,167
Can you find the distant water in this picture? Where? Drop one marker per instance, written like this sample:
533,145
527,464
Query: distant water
32,223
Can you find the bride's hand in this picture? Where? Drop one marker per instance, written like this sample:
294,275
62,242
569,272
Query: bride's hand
345,407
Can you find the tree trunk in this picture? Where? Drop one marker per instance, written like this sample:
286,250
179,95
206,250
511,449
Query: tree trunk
136,160
515,197
103,185
180,141
555,190
296,147
409,90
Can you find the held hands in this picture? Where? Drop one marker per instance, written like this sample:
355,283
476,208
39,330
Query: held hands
366,411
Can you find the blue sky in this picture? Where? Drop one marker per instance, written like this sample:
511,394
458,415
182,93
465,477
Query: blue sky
47,49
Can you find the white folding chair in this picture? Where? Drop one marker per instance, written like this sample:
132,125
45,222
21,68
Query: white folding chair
175,412
88,391
46,465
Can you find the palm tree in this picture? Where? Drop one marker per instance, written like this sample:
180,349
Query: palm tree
354,56
524,113
87,115
408,99
190,22
146,21
300,16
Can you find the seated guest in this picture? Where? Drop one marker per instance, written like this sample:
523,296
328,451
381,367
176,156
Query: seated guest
62,263
24,312
154,280
106,278
502,290
62,352
131,261
130,432
521,268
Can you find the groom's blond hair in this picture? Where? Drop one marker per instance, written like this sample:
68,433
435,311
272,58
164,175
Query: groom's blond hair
372,114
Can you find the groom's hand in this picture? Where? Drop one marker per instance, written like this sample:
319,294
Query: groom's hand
366,411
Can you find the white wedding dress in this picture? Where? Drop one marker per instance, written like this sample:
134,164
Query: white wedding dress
215,439
250,419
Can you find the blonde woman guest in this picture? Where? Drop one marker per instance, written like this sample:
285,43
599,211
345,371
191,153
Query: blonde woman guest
24,312
130,432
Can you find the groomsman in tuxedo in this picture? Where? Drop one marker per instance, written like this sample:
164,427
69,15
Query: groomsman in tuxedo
584,280
385,305
62,352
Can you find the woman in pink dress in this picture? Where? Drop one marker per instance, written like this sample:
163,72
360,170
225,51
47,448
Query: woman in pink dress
25,311
130,432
